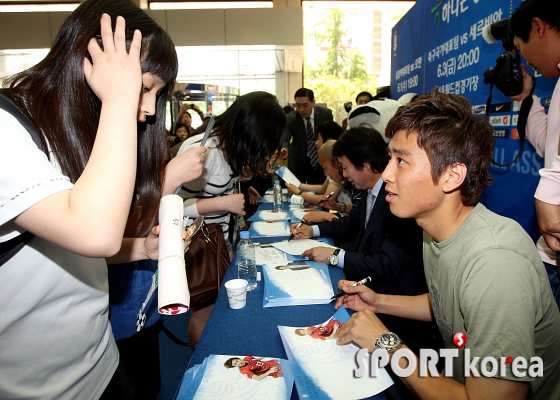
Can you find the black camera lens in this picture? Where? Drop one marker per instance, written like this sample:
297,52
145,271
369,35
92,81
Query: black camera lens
506,76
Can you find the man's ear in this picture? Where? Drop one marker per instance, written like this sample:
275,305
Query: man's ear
539,27
454,177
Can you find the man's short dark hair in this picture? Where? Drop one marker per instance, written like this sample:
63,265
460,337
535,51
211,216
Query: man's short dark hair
329,130
229,362
303,92
546,10
368,94
449,133
288,109
361,145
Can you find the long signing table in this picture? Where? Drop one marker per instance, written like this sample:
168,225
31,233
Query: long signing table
253,329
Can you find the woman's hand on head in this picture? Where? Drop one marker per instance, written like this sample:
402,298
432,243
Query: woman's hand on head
114,74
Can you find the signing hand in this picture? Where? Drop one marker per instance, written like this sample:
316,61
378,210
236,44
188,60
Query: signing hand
314,217
303,232
362,328
357,298
329,203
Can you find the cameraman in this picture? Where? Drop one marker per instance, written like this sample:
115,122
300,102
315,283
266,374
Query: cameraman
536,29
187,119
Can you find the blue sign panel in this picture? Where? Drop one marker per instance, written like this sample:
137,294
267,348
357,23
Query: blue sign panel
439,43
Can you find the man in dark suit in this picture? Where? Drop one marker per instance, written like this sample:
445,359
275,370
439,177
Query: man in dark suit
300,137
386,248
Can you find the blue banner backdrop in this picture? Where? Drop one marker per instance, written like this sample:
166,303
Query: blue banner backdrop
439,43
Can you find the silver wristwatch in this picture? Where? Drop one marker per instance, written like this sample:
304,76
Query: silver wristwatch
333,258
388,341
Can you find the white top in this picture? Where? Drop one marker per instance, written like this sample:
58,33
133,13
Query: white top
344,195
215,181
55,334
543,131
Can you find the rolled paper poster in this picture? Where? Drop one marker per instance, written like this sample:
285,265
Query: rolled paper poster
173,290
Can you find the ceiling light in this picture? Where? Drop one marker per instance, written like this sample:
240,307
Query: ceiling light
207,5
38,7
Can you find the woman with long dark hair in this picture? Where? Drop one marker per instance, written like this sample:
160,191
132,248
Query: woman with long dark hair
97,102
243,141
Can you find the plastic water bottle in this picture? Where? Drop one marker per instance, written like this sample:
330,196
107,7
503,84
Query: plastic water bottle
277,190
246,267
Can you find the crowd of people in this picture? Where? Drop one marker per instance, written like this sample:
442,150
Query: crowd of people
87,160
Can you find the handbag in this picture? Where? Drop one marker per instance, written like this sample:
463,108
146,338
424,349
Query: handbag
206,263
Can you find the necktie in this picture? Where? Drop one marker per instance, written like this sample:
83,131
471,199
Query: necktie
311,149
370,201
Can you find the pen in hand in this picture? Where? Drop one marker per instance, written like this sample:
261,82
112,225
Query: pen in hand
328,196
340,293
297,227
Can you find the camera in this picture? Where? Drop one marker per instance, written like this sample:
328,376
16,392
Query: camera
348,106
506,75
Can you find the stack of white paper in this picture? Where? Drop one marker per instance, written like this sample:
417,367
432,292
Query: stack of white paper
269,229
266,254
243,377
297,283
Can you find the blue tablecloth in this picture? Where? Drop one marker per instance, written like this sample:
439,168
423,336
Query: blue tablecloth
253,329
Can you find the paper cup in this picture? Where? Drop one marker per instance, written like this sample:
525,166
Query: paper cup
236,293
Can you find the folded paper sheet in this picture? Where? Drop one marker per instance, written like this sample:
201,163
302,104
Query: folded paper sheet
322,368
266,254
297,247
288,176
173,290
